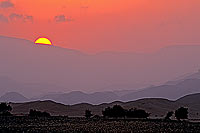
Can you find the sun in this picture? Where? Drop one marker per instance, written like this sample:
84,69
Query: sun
43,41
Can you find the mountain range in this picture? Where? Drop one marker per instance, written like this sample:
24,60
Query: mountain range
187,85
67,82
158,107
34,70
13,97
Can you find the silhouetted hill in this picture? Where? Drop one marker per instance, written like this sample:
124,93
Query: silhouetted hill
158,107
79,109
190,99
13,97
52,107
172,92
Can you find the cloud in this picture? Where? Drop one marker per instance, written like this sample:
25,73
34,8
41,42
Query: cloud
6,4
15,16
62,18
20,17
29,18
3,18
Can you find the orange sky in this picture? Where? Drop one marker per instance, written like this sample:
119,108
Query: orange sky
104,25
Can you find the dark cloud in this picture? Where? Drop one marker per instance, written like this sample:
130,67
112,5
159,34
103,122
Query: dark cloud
20,17
62,18
15,16
29,18
3,18
6,4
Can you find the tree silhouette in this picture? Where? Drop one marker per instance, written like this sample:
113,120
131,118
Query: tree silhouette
5,109
137,113
35,113
107,112
88,114
118,111
115,112
181,113
169,114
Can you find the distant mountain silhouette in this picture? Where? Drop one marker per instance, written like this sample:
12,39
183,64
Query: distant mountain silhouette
190,99
184,85
194,76
76,97
156,106
9,85
172,92
13,97
180,79
41,69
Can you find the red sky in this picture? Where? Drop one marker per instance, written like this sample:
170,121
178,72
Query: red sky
103,25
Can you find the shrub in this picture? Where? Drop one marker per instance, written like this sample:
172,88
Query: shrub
107,112
181,113
5,109
88,114
137,113
169,114
115,112
118,111
35,113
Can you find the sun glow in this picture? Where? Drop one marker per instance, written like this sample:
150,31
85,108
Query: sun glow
43,41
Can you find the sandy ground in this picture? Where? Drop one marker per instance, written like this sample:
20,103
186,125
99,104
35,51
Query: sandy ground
65,124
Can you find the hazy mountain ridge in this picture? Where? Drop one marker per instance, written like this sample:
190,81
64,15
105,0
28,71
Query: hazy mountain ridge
171,92
80,97
67,70
13,97
74,97
180,79
156,106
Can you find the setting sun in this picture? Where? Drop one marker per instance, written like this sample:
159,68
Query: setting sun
43,40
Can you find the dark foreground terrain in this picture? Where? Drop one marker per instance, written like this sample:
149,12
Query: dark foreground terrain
64,124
